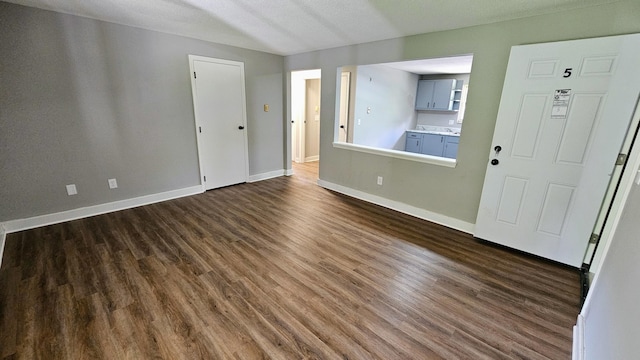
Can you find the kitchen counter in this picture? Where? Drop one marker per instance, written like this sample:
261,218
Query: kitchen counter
447,133
436,130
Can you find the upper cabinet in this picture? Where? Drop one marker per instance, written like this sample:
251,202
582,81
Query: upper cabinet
440,95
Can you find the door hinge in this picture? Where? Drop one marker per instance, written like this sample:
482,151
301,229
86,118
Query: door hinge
194,75
594,238
205,178
622,158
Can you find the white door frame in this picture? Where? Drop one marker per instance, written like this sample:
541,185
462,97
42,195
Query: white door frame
298,94
197,122
623,181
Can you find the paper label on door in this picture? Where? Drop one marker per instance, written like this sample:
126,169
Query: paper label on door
560,106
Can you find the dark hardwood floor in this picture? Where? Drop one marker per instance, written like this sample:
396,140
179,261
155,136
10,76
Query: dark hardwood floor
278,269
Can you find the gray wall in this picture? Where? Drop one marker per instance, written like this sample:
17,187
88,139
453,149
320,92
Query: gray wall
453,192
390,94
82,101
612,315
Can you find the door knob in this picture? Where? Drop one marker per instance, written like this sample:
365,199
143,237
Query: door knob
495,162
240,127
497,149
341,126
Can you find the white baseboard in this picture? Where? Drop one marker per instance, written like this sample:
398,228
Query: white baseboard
43,220
3,237
401,207
288,172
578,339
267,175
312,158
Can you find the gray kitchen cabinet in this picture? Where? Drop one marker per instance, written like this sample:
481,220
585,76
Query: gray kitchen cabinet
440,95
432,144
413,142
450,147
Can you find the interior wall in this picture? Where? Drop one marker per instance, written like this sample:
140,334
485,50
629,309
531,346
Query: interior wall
384,106
82,101
453,192
611,313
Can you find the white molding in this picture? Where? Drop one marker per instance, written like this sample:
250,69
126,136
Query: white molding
288,172
577,352
3,238
55,218
401,207
267,175
427,159
312,158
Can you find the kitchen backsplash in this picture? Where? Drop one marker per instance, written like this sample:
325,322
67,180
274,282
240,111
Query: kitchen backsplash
438,119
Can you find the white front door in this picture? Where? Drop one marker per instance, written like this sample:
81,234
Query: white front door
219,103
563,115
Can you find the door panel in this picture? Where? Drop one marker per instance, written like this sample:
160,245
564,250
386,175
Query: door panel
581,123
528,125
220,115
563,115
555,207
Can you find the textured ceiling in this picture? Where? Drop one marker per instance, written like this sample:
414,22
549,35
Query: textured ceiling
289,27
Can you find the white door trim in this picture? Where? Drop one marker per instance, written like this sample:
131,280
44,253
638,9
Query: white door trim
192,59
298,106
627,179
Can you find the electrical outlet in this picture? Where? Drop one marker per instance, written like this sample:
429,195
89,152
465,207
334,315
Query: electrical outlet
113,184
71,189
451,122
379,180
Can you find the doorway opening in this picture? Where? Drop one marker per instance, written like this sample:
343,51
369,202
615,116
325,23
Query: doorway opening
305,110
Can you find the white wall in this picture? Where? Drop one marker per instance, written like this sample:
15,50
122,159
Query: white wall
612,309
384,106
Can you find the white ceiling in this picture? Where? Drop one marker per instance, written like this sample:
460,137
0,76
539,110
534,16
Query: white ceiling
445,65
289,27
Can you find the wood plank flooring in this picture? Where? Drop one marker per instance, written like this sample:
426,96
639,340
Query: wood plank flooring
279,269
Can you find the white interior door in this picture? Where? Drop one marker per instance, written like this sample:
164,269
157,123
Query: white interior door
312,120
219,103
345,86
563,115
298,106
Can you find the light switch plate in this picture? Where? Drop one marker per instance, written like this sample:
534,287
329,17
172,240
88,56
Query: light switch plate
71,189
113,184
